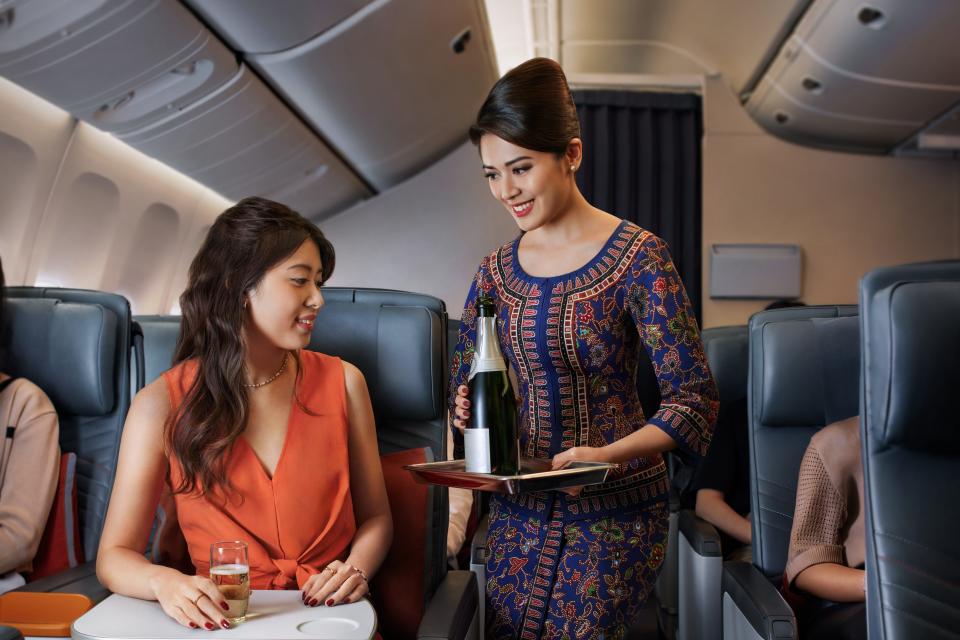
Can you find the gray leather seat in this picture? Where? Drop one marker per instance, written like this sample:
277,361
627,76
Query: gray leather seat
804,375
398,340
75,345
698,551
159,342
911,449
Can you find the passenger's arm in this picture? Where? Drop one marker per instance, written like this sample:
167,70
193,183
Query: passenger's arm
830,581
121,565
815,560
370,504
712,507
30,480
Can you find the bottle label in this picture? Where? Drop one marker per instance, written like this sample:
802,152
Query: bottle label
476,443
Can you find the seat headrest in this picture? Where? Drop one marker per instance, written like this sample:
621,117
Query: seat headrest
398,349
65,348
727,351
921,348
810,367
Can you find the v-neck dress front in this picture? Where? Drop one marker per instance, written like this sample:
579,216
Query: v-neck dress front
301,519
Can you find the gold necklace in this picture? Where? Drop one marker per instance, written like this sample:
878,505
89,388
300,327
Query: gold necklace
257,385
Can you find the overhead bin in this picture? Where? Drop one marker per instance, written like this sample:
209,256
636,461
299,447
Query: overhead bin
370,85
118,64
862,75
255,26
241,140
889,40
782,114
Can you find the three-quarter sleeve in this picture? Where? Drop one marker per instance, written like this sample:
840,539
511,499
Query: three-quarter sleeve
466,343
30,480
658,305
818,519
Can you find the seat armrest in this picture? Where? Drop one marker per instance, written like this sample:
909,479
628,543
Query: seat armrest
452,611
702,536
478,547
81,579
758,602
42,614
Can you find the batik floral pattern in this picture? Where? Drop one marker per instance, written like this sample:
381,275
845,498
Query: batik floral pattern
573,342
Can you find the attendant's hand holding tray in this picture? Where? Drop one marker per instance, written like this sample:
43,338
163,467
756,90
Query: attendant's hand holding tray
535,475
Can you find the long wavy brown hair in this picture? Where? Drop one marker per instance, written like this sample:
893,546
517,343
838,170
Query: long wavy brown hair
244,242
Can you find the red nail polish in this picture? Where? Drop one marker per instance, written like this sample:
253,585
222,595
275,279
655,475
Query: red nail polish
193,625
330,602
314,602
225,606
209,626
224,624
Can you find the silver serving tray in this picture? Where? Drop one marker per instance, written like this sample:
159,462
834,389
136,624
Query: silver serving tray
535,475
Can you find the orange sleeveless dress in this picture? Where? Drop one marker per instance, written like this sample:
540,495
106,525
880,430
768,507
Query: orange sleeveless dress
300,520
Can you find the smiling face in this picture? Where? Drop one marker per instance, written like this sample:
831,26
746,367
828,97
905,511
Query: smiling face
534,186
284,304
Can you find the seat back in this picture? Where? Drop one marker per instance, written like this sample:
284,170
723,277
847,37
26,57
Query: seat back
75,345
160,335
804,375
727,349
398,340
697,553
911,449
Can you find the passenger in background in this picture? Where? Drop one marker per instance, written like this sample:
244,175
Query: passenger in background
577,294
827,554
29,467
722,482
256,438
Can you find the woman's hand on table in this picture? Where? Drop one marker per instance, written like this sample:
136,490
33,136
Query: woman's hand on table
193,601
462,411
338,583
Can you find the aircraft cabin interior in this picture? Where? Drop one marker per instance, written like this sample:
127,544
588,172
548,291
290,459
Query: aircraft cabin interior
797,162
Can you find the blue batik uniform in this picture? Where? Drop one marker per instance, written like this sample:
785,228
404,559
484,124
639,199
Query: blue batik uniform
580,566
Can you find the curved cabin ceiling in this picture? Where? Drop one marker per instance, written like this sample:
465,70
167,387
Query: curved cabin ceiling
325,104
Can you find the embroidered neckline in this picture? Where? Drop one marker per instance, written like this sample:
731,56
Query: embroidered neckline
516,270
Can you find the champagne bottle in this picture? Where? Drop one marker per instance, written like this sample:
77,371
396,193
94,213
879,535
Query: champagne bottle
491,439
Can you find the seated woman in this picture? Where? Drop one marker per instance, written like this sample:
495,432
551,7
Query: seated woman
256,438
29,468
827,541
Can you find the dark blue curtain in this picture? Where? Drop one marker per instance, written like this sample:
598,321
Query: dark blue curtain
642,163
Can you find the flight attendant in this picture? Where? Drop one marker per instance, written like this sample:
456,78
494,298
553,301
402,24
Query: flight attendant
255,438
577,294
